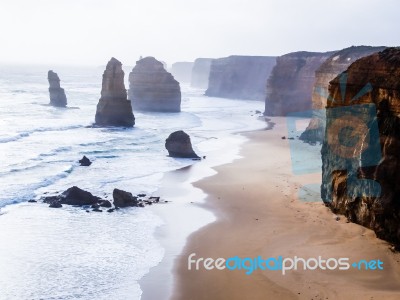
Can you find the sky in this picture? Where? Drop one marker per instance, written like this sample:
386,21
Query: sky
90,32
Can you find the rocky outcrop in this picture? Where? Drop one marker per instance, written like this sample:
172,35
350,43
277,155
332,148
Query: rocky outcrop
178,144
200,73
72,196
182,71
57,94
240,77
333,66
152,88
361,148
113,108
290,86
124,199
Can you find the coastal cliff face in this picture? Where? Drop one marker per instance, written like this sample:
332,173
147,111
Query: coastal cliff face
290,86
357,162
240,77
182,71
200,73
114,109
57,94
152,88
333,66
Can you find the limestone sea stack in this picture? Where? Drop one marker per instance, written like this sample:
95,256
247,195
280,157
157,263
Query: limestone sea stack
114,109
152,88
57,94
240,77
333,66
178,144
361,143
290,86
200,73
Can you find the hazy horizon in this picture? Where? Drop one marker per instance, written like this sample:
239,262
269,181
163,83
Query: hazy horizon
90,32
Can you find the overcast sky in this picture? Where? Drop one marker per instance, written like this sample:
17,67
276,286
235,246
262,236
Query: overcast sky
91,31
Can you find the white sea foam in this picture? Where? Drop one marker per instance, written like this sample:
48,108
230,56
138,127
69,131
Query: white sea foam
68,254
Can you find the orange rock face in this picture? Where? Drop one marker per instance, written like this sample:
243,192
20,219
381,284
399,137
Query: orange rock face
361,148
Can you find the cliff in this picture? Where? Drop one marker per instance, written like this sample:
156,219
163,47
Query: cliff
333,66
152,88
290,86
57,94
182,71
200,73
361,148
240,77
113,108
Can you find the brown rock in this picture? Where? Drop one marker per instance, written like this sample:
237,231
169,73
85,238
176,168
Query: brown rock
152,88
290,86
341,161
333,66
113,108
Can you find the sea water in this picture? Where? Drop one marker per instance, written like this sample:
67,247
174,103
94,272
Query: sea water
68,253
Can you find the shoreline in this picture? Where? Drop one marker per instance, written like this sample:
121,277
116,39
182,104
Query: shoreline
257,213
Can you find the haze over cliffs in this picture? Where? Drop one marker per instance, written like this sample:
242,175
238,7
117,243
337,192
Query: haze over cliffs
290,86
113,108
240,77
201,72
362,141
182,71
152,88
333,66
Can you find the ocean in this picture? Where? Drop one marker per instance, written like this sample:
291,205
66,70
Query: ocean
67,253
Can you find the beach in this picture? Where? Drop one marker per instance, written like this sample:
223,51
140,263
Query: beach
258,213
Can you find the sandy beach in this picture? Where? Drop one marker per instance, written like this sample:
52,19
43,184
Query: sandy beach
258,213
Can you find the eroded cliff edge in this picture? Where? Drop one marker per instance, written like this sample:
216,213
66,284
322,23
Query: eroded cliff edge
358,156
333,66
240,77
290,86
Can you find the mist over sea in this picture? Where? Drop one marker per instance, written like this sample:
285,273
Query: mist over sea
67,253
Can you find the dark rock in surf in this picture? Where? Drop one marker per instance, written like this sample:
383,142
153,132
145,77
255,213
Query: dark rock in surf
73,196
85,162
57,94
178,144
124,199
55,204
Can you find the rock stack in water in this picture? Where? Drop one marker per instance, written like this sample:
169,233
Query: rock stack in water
57,94
114,109
200,73
290,86
361,148
152,88
178,144
332,67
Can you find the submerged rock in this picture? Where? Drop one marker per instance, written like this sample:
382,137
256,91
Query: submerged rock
85,162
57,94
178,144
334,65
152,88
114,109
124,199
360,160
